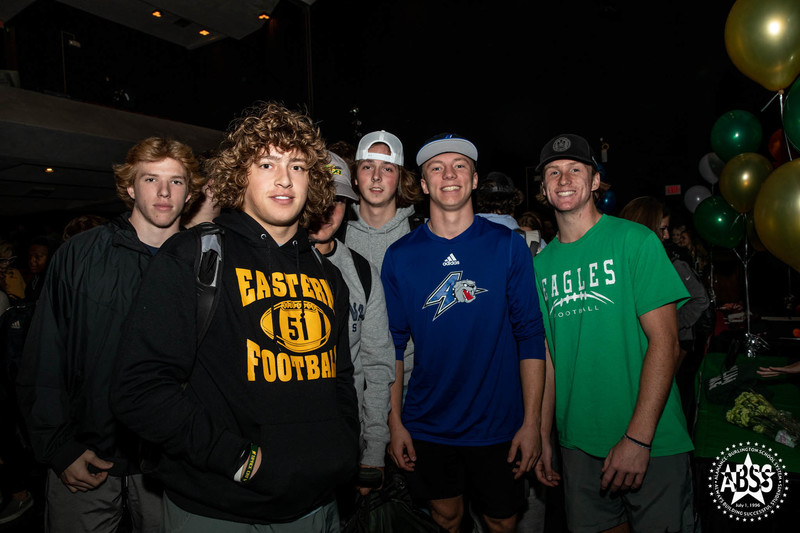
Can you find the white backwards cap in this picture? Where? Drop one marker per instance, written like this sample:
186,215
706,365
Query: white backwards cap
394,144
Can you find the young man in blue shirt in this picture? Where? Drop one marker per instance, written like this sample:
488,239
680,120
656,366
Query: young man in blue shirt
463,288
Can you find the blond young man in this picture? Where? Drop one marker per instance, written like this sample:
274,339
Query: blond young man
65,377
464,289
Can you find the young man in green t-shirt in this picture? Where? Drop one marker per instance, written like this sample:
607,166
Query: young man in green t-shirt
608,294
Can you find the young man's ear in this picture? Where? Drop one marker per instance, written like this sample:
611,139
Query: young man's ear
596,181
424,185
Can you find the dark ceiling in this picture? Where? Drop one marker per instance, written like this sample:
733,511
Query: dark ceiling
649,79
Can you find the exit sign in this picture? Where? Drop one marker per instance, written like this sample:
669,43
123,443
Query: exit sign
672,190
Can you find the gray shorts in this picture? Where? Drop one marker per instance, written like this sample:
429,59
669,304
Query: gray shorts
324,519
100,510
662,503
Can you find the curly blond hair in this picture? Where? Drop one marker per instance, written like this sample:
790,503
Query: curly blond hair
264,126
156,149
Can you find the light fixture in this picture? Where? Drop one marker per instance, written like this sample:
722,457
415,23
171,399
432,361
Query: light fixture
156,13
49,170
204,32
263,16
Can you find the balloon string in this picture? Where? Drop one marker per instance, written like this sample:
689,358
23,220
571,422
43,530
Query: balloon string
777,94
785,137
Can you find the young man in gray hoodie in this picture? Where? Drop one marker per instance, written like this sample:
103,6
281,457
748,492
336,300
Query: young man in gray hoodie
387,193
371,346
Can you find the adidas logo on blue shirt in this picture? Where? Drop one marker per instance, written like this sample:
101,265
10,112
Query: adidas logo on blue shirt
450,260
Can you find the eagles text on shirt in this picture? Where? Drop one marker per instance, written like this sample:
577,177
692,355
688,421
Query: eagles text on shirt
578,290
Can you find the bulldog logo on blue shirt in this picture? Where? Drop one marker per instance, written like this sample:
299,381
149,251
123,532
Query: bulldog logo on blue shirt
452,290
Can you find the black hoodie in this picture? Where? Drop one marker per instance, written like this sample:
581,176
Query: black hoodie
273,369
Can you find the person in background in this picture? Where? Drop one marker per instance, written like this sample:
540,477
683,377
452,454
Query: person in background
529,221
651,213
691,241
371,347
496,198
40,250
15,460
64,381
205,209
12,282
80,224
773,371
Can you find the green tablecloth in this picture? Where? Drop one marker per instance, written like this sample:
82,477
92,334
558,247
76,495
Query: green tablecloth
713,433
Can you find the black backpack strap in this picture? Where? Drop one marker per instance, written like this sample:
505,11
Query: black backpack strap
532,238
415,220
208,273
364,272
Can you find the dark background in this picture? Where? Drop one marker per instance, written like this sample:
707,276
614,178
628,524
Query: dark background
650,79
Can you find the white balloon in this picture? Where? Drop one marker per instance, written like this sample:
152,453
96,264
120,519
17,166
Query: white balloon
710,167
694,195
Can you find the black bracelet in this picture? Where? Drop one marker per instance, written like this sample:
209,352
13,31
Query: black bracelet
638,442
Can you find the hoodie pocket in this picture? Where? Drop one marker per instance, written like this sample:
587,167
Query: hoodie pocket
305,460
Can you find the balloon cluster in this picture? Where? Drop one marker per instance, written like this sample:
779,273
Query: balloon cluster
760,197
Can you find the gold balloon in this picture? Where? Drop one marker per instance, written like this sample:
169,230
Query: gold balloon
763,40
777,213
741,178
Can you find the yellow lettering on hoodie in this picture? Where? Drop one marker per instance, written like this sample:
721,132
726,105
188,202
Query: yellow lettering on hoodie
262,287
325,364
291,281
244,277
268,364
297,363
252,359
322,291
278,285
312,366
328,293
284,367
306,288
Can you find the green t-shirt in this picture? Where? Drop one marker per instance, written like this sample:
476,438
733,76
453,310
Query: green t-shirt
592,293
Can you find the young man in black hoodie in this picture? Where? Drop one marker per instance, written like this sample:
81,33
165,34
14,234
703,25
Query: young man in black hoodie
71,347
257,420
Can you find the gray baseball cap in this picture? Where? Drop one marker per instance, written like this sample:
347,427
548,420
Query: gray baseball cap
341,177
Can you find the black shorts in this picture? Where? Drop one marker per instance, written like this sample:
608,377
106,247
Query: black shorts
480,472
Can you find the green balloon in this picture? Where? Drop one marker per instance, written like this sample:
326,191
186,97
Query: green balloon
791,115
718,223
734,133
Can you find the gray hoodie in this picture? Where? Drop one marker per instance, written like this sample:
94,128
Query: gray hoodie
372,353
372,243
